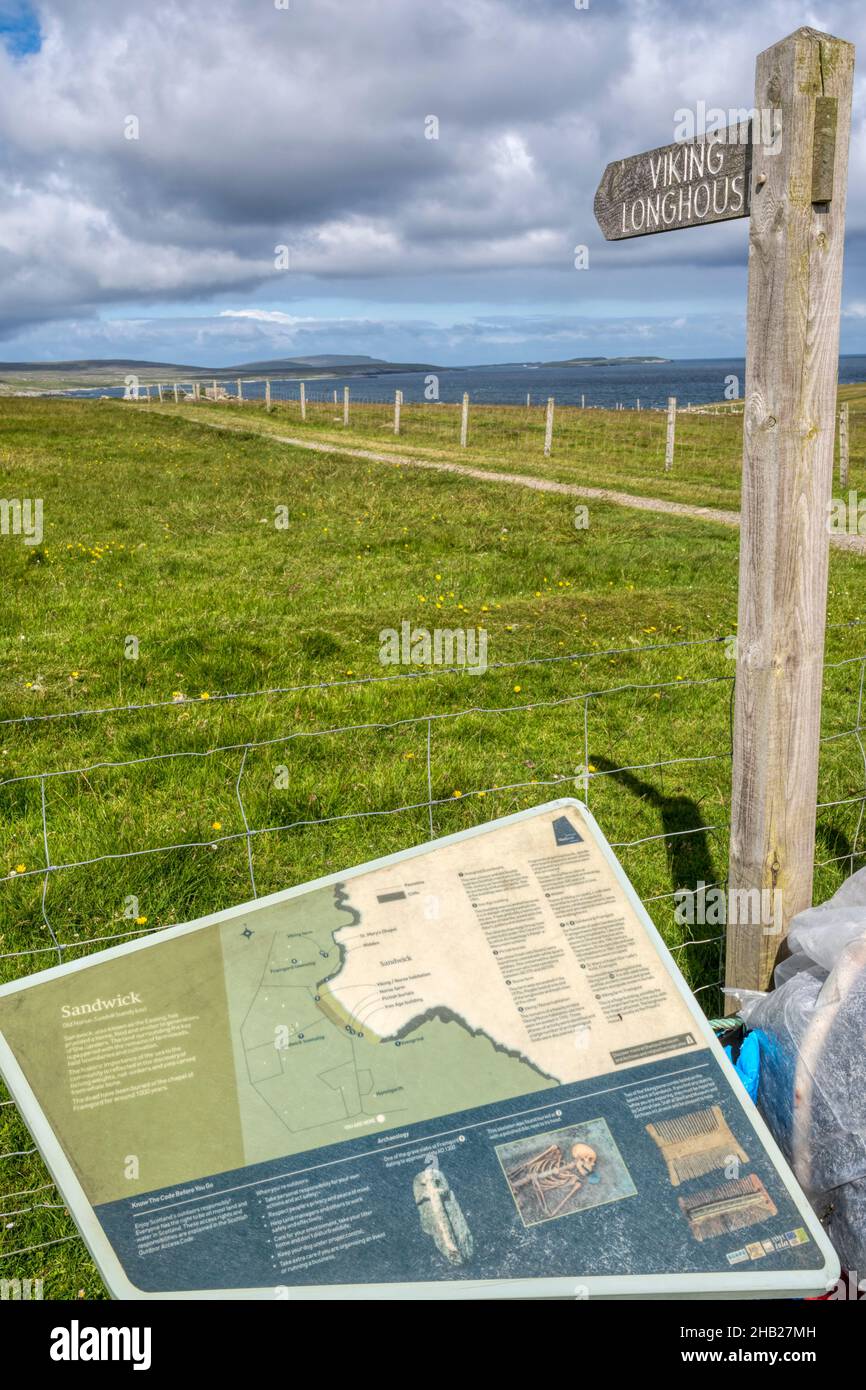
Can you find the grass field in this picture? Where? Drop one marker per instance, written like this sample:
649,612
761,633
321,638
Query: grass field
622,450
162,531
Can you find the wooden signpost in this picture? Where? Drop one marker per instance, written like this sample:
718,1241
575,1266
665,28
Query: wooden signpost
793,188
681,185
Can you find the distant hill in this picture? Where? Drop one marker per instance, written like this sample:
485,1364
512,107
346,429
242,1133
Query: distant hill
346,364
99,370
329,362
569,362
86,364
605,361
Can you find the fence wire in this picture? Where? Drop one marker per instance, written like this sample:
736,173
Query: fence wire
587,780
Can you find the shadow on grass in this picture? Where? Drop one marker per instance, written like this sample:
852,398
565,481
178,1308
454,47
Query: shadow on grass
690,862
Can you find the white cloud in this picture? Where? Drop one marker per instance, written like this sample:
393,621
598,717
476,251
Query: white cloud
306,127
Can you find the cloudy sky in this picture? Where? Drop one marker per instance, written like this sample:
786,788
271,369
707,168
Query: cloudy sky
303,124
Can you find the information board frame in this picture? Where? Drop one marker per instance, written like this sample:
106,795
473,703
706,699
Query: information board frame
738,1283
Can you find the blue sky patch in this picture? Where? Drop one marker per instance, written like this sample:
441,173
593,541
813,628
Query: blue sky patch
20,31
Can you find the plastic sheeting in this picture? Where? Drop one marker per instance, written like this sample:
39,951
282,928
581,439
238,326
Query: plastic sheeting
812,1034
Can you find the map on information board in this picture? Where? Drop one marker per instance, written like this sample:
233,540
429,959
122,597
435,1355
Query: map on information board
470,1069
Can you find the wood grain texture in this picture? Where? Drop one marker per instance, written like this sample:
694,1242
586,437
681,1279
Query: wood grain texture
686,184
795,276
548,427
670,437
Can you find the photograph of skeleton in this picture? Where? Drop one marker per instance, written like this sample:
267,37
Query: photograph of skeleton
565,1171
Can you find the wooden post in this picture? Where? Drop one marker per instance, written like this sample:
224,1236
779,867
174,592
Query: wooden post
147,394
583,402
267,395
548,428
637,403
335,395
175,393
671,434
196,391
215,388
345,405
303,401
159,391
796,238
240,392
464,421
398,401
528,400
843,445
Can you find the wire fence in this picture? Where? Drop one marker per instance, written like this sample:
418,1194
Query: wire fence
615,726
631,435
249,791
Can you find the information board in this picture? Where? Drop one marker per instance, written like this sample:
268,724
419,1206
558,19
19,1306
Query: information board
471,1069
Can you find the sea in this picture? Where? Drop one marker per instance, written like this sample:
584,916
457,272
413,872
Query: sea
696,381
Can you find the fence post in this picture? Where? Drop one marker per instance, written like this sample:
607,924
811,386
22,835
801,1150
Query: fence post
843,445
583,402
671,434
548,428
267,395
398,401
792,345
303,401
240,392
528,400
345,405
159,391
196,391
464,421
175,394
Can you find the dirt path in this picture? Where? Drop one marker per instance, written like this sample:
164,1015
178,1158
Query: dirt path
487,475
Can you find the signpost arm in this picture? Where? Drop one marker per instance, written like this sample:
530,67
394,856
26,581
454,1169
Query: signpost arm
795,274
